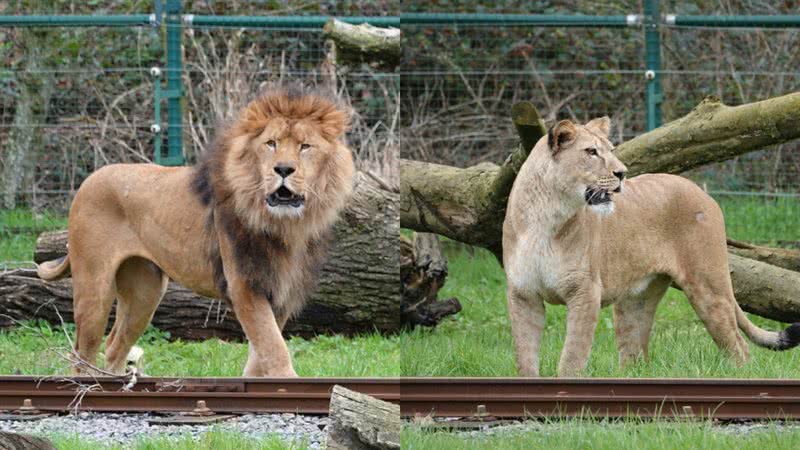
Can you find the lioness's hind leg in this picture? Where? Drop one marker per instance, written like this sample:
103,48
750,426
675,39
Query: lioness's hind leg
716,310
633,320
140,286
527,315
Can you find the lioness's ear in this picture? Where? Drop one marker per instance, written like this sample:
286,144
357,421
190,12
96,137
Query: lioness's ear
561,134
601,124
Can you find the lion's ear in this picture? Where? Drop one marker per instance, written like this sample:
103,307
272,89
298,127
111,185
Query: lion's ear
601,124
561,134
335,122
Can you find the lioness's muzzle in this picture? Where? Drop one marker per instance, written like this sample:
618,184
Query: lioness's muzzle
283,196
597,196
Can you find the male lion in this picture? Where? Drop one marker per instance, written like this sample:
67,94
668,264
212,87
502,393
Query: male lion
249,224
573,236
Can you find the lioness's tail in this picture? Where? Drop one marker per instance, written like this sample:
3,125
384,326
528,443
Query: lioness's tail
773,340
55,269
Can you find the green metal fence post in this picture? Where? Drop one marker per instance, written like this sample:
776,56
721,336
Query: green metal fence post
174,92
652,44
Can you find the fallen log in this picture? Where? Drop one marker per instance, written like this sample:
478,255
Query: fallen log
364,43
766,290
361,422
468,205
358,289
781,257
423,271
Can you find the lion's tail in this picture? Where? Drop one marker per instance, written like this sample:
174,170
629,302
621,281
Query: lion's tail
55,269
773,340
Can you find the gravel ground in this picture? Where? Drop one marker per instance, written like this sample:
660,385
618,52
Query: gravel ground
126,428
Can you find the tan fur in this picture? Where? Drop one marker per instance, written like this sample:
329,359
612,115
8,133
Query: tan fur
134,226
560,250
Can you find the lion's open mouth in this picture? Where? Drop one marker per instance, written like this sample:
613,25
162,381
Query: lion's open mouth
285,197
597,196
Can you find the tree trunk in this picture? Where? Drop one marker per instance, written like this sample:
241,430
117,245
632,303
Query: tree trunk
358,289
360,422
357,44
32,106
764,289
423,270
781,257
468,205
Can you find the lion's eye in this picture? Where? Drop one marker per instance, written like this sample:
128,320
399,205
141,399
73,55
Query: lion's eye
304,147
271,144
592,151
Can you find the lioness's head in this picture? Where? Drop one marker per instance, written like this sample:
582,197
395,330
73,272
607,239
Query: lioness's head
584,155
283,160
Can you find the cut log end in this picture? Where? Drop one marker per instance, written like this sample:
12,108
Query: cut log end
361,422
423,271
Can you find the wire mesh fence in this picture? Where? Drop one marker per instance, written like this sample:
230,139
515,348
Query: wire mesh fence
460,80
75,99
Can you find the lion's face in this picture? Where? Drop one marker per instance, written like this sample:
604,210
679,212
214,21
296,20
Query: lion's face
286,162
587,163
291,157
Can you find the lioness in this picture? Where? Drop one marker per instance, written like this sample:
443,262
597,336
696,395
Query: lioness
576,234
249,224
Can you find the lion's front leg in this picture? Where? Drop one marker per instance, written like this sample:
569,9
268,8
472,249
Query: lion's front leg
583,310
268,353
252,368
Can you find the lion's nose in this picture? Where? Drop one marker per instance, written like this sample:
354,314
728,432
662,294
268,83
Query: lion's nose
284,170
620,174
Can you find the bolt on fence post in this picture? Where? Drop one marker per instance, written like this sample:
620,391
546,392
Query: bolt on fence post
174,92
155,128
652,43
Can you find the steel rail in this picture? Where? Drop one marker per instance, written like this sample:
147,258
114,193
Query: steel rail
516,397
169,394
458,397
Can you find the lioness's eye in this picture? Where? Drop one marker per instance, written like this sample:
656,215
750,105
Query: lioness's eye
592,151
271,143
304,147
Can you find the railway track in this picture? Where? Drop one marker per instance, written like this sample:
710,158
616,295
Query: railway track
162,394
451,397
597,397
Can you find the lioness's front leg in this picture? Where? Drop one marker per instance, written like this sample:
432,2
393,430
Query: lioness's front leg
583,310
527,315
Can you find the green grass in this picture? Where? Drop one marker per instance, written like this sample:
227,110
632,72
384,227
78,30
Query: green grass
477,341
764,220
582,434
24,350
212,440
18,231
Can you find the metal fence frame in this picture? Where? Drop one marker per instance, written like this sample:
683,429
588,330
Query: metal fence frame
652,20
170,16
